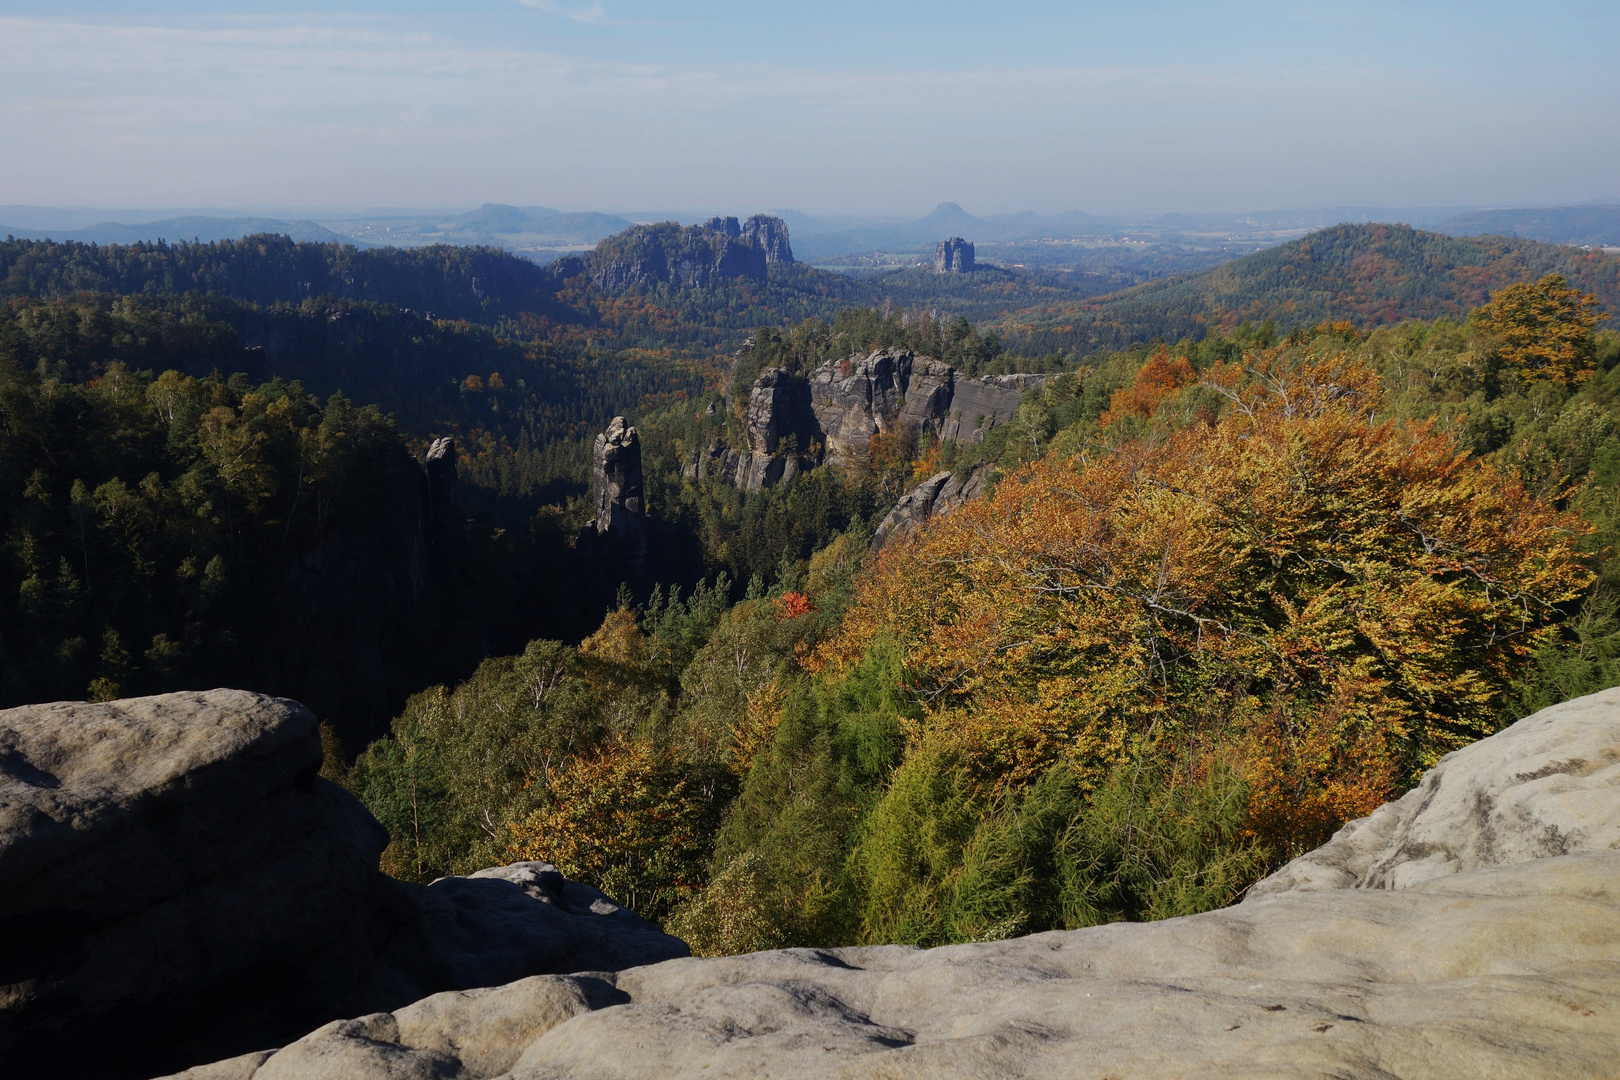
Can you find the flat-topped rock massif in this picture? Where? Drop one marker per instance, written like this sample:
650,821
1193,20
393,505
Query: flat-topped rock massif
685,256
1497,953
177,883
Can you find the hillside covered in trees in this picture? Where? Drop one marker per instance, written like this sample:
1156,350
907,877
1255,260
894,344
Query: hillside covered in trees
1369,275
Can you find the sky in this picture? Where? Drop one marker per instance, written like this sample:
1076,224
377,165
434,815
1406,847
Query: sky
836,106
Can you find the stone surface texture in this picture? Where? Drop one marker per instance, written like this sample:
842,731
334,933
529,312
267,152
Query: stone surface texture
178,882
616,488
1506,965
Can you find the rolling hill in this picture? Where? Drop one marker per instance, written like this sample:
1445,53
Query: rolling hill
1367,274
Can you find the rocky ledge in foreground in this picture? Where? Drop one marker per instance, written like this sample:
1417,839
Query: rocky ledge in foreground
1471,929
177,884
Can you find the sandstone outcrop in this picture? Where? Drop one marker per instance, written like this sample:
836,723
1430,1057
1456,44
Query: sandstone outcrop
1506,964
616,488
953,256
770,235
778,410
833,414
935,497
177,883
893,388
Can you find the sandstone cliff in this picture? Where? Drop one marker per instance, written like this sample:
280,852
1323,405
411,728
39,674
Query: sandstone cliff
935,497
833,414
953,256
1495,953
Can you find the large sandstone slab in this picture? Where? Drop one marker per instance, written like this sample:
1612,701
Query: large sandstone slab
1495,953
177,883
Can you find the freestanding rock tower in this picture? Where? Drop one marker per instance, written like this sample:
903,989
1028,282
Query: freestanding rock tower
953,256
616,487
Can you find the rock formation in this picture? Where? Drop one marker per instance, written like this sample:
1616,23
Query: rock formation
780,429
692,256
833,414
953,256
177,884
616,488
770,235
935,497
1547,786
725,226
1492,955
893,388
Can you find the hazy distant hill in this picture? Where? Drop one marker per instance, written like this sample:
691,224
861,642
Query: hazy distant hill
1368,274
1588,225
182,229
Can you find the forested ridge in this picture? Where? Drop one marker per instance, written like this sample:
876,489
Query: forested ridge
1370,275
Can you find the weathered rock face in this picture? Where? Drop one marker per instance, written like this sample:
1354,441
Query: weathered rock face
833,415
1547,786
770,235
176,882
1511,969
894,388
935,497
616,487
778,410
953,256
725,226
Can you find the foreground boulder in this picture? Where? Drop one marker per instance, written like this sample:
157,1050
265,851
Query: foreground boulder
177,883
1507,964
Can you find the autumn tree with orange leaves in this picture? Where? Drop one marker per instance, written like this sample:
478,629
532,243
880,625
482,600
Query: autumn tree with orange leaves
1332,602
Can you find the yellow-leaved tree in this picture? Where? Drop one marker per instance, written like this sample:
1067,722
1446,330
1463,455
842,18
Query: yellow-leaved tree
1545,329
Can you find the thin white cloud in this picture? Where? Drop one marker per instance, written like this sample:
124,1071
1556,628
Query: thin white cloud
365,111
594,13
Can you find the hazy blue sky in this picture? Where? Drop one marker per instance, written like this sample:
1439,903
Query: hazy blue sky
836,105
